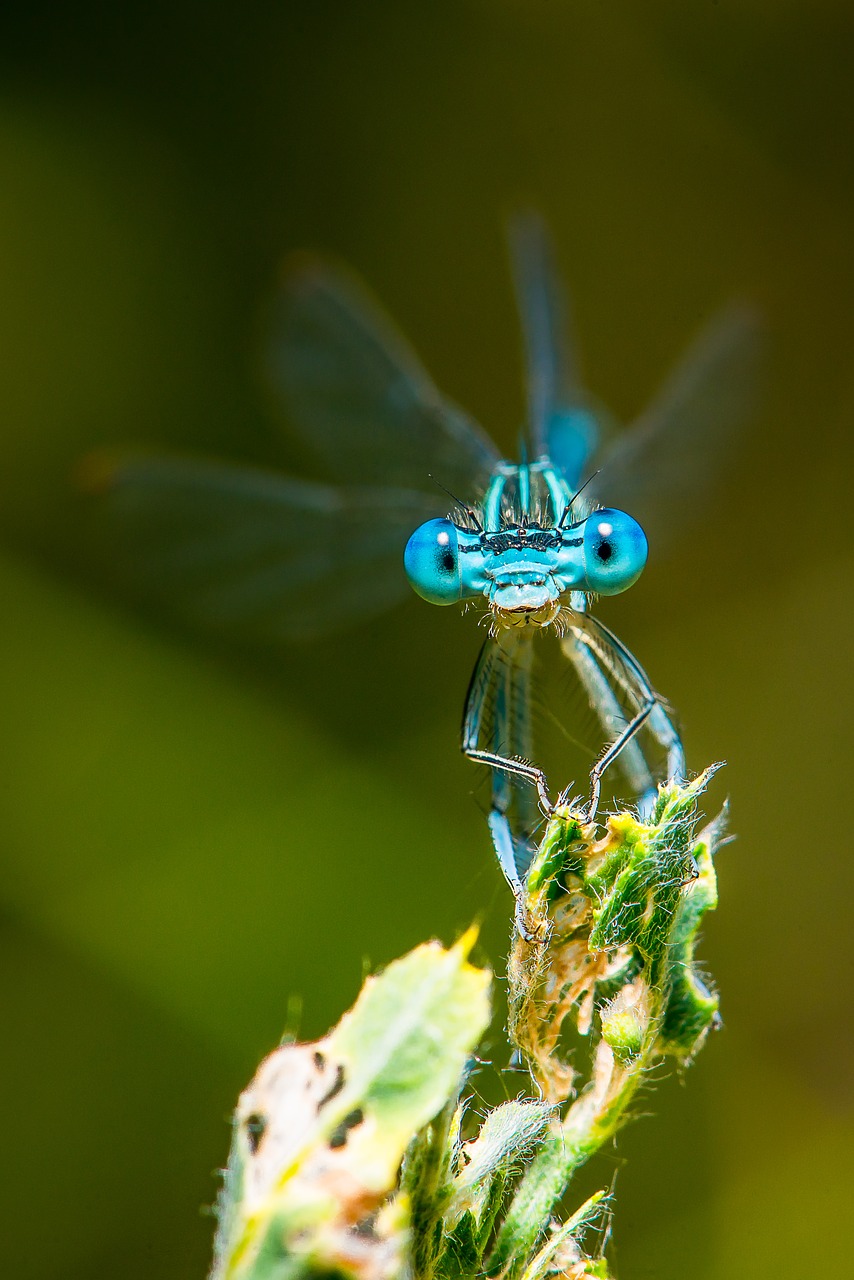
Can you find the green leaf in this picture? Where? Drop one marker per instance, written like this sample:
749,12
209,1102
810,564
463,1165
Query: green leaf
692,1009
613,955
561,1250
321,1131
505,1136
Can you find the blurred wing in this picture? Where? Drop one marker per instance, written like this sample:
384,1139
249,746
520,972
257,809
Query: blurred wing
249,553
663,468
359,398
562,424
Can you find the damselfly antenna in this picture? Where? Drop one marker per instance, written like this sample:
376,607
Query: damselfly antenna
577,494
463,506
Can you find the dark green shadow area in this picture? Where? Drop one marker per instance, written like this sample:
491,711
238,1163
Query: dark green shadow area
114,1121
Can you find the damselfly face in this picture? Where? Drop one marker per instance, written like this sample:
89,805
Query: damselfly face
524,575
523,552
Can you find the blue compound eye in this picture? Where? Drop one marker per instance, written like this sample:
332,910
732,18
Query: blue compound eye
615,551
432,562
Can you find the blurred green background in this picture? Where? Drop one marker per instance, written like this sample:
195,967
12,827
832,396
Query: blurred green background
190,841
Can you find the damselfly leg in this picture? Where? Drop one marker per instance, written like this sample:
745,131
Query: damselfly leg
633,721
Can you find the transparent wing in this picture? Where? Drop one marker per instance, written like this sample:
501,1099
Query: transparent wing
562,703
497,720
620,693
250,553
664,466
358,397
562,422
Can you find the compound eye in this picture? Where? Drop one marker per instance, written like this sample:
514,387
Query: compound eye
615,551
432,562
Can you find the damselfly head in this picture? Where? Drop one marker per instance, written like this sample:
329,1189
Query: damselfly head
524,571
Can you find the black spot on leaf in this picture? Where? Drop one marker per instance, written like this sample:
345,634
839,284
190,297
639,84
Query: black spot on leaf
350,1121
334,1089
256,1127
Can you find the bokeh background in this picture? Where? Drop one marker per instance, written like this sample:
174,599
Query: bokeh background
191,842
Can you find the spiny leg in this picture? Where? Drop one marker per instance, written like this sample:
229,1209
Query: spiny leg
517,768
611,754
610,712
603,663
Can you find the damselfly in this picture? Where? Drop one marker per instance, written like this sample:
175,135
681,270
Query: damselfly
266,556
